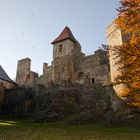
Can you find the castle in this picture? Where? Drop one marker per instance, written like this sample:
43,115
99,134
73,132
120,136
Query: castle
69,65
97,100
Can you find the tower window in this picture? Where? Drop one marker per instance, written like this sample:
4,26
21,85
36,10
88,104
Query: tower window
60,48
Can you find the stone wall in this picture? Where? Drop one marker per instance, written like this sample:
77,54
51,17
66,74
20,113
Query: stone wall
26,77
62,48
7,84
23,69
95,68
46,78
63,70
1,96
114,35
31,79
69,65
18,102
115,38
81,104
74,68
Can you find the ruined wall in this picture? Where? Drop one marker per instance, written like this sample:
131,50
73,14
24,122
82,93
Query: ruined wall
114,34
6,84
69,65
46,78
47,73
115,38
26,77
31,79
23,69
63,69
94,68
1,96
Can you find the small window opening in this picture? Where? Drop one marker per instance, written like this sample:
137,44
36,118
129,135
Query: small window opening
92,80
60,48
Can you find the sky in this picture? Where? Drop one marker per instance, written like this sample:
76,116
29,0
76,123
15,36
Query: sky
27,28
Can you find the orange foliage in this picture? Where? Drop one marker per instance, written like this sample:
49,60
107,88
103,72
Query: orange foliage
129,19
129,22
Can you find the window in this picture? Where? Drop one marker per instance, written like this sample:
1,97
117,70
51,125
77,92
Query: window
92,80
60,48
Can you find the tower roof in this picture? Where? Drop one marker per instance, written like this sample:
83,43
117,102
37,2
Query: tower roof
65,34
4,76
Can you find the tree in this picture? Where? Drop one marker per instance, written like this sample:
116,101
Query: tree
129,19
129,22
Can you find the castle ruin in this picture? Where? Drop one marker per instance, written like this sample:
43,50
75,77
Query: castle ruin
69,65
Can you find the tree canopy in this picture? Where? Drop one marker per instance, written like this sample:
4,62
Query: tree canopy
129,22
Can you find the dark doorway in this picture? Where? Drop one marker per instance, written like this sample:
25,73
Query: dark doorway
92,80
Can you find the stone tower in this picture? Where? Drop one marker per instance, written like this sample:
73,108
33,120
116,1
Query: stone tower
115,38
64,47
23,69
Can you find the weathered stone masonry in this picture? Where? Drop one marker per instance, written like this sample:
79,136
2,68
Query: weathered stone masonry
69,65
115,37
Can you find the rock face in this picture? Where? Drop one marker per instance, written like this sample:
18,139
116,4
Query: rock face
17,103
82,104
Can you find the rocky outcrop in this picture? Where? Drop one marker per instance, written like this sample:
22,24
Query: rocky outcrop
82,104
17,102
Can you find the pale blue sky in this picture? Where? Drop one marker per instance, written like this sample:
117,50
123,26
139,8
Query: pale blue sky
28,27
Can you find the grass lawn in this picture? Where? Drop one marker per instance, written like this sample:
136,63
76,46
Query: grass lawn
27,130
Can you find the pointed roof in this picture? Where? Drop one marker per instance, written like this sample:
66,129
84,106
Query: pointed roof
65,34
4,76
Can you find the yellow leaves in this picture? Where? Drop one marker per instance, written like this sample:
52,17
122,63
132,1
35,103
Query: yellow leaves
129,22
129,15
132,58
136,84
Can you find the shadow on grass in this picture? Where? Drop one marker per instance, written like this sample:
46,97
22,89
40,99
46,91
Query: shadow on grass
64,126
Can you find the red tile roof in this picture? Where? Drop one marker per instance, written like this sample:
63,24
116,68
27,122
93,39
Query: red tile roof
65,34
5,77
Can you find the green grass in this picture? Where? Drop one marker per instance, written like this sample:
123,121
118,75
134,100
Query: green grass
27,130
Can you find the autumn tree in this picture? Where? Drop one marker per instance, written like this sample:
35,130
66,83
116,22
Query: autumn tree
129,22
